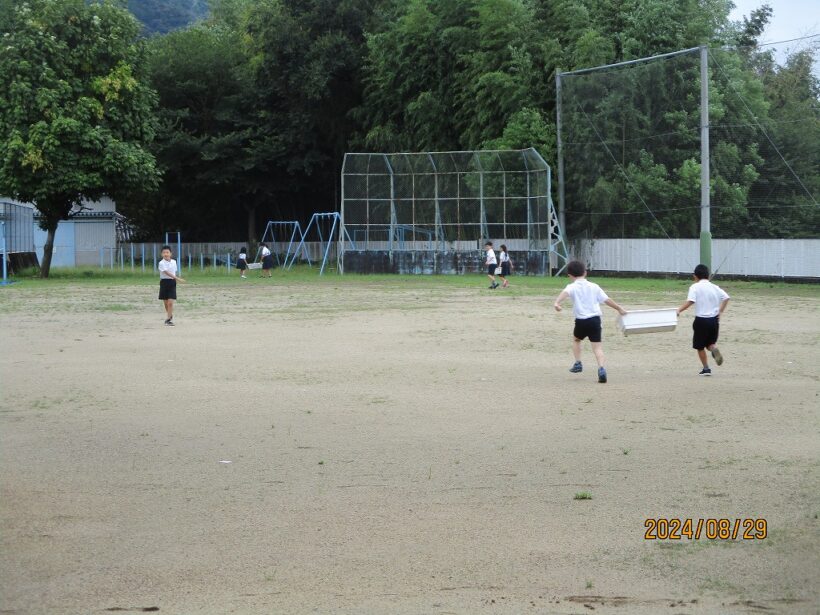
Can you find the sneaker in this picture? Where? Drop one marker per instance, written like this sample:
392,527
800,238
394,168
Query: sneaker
717,356
601,374
576,368
243,276
169,323
705,372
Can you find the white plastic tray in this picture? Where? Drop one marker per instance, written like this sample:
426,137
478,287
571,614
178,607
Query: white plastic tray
648,321
254,265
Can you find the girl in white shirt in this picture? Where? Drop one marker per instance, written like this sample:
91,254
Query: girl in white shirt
242,263
506,265
267,260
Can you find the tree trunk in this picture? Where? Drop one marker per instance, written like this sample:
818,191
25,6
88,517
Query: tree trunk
48,248
252,238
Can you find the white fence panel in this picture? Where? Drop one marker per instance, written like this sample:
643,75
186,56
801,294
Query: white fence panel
781,258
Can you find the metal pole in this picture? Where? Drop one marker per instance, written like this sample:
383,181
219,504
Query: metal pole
3,239
340,255
179,250
560,150
142,257
705,228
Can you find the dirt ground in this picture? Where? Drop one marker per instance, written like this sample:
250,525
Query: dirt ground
375,447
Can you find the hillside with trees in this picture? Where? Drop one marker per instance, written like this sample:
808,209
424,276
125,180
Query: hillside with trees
161,16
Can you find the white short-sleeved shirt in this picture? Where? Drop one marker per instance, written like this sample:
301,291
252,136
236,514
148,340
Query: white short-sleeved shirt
167,269
265,252
586,298
491,257
503,257
707,298
242,256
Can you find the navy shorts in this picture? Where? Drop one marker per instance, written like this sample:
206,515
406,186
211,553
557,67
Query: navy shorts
705,332
588,327
167,289
491,269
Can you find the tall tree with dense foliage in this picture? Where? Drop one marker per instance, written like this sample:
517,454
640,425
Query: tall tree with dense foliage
205,134
75,115
452,74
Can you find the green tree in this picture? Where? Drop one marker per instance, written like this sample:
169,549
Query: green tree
75,115
205,135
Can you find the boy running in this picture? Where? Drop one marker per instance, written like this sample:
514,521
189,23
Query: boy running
709,300
586,299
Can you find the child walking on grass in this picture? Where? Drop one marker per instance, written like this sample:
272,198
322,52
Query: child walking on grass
491,263
586,299
242,262
168,279
710,301
506,266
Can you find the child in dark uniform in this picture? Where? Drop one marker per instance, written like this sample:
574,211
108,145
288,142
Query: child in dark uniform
267,260
242,263
168,279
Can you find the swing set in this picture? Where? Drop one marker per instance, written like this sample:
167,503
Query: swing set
323,226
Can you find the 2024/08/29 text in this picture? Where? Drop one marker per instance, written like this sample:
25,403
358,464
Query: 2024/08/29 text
711,529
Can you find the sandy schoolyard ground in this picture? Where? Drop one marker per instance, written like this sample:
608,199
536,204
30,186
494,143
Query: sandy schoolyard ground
369,445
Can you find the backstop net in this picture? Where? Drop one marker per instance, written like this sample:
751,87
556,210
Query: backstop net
632,136
432,212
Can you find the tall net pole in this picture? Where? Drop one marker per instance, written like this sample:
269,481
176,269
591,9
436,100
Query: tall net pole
560,151
705,228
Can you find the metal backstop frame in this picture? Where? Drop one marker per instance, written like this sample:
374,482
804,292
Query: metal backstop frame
440,208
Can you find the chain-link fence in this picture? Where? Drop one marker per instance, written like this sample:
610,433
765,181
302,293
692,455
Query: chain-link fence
449,202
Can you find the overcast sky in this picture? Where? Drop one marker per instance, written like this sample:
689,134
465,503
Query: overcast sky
790,19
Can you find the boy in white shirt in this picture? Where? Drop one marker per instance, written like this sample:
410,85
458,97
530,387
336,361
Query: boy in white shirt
168,283
709,300
586,299
491,264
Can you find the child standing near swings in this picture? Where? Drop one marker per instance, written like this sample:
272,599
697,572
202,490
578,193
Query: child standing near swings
242,263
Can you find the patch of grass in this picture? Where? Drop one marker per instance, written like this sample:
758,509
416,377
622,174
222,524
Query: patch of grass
625,451
117,307
582,495
651,288
589,585
719,585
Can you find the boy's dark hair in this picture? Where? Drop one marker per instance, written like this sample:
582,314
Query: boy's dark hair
165,248
576,269
489,243
702,272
